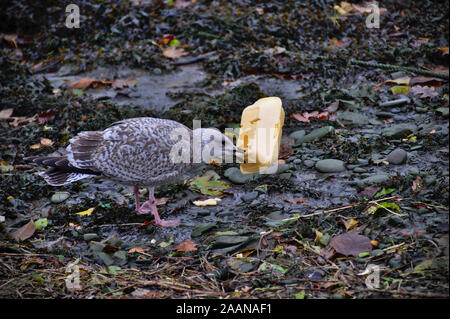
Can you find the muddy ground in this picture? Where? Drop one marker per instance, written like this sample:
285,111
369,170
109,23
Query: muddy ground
351,162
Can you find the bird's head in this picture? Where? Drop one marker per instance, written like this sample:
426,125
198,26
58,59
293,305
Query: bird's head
216,147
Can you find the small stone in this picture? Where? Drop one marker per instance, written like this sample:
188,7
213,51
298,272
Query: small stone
359,170
397,156
90,236
202,229
297,134
297,161
314,274
235,175
330,166
107,259
316,134
59,197
398,131
309,163
373,180
95,246
353,118
248,197
283,168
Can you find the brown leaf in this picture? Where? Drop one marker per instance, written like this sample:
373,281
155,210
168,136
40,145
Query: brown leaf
305,116
417,184
370,191
351,244
138,249
296,200
426,81
24,232
174,52
162,200
83,83
187,245
285,151
6,113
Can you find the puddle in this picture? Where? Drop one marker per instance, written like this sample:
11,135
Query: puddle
150,91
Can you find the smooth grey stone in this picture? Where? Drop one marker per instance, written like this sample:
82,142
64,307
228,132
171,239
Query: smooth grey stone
373,180
297,134
59,197
398,130
316,134
249,196
330,166
309,163
235,175
353,118
397,156
90,236
201,229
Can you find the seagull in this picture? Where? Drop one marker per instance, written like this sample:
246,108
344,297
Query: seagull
141,152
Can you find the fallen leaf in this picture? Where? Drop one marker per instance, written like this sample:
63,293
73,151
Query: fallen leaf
24,232
400,89
350,244
162,200
349,223
46,142
35,146
6,113
424,91
83,83
174,52
305,116
187,245
296,200
138,249
370,191
336,42
209,184
417,184
86,212
208,202
426,81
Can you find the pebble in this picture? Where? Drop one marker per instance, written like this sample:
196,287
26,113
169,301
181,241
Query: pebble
90,236
235,175
397,156
330,166
372,180
248,197
201,229
59,197
398,130
309,163
297,134
359,170
316,134
353,118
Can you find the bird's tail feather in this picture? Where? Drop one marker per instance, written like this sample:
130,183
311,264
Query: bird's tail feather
58,177
60,172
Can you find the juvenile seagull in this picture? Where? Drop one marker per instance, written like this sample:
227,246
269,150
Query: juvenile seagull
139,152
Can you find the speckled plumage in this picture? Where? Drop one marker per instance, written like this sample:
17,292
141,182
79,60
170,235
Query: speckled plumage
132,152
140,152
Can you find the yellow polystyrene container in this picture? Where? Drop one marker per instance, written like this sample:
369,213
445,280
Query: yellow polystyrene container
260,134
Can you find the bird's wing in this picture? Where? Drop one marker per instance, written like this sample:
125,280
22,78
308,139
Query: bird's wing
138,150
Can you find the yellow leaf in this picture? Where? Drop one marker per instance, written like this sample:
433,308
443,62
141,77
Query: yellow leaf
208,202
35,146
401,81
400,89
87,212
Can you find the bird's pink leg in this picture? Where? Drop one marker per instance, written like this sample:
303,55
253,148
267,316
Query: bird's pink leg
150,206
136,198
